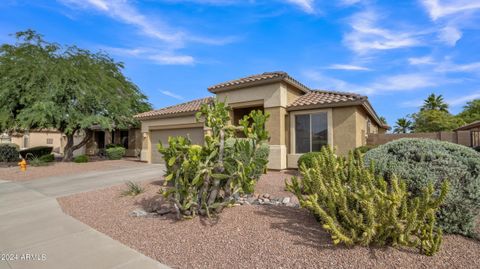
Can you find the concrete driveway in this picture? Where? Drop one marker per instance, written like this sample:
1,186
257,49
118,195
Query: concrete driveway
35,233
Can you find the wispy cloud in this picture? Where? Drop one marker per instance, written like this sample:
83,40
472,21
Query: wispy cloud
421,60
158,56
450,35
167,59
171,94
367,36
462,100
438,9
348,67
305,5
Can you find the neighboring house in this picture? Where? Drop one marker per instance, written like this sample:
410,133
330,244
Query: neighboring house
301,120
130,139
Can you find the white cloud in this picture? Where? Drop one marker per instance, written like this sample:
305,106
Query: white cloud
366,36
403,82
348,67
305,5
450,35
457,101
171,94
158,56
421,60
350,2
168,59
451,67
438,9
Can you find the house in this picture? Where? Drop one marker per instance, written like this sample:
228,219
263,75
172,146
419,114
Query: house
301,120
128,138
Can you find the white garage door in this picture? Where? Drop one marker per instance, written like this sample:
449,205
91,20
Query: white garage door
195,134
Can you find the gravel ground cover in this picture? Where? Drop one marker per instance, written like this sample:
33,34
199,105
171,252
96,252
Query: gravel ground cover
248,236
61,168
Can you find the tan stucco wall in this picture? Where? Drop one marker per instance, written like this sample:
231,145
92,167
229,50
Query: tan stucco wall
276,125
195,134
345,133
36,139
293,94
273,95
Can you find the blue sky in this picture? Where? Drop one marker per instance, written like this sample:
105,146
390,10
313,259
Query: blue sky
396,52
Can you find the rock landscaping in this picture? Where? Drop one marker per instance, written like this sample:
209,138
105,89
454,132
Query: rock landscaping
246,236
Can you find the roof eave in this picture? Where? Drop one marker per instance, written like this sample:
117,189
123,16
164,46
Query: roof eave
325,105
165,116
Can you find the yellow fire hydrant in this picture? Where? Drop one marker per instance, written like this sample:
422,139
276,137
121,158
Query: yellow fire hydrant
23,165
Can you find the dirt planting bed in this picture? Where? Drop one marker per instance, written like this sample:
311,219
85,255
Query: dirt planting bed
60,168
248,236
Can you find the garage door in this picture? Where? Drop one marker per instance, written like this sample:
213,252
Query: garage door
195,134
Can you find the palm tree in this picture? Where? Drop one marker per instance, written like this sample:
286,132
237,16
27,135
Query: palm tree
434,102
402,126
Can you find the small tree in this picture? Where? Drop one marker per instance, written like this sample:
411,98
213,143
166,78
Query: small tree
435,102
45,85
205,179
435,121
402,126
471,112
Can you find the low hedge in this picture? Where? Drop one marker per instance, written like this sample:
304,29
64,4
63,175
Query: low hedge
115,153
366,148
81,159
112,145
35,152
8,152
47,158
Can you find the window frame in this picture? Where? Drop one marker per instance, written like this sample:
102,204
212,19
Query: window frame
293,114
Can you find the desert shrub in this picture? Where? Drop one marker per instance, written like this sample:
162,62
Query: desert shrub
81,159
115,153
35,152
133,189
8,152
307,159
424,161
205,179
357,207
366,148
47,158
112,145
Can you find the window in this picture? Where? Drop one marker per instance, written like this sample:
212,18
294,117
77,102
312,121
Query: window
311,132
49,141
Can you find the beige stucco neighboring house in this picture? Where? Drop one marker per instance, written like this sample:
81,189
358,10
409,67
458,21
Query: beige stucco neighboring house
301,120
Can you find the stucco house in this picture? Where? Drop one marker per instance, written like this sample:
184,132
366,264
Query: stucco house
301,120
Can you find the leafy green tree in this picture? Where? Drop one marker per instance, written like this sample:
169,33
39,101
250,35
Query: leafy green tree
471,112
403,126
435,121
45,85
435,102
383,120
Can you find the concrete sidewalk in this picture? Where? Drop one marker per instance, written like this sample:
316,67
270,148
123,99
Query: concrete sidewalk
32,223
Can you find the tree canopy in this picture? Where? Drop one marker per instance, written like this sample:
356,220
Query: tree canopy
471,112
402,126
435,102
46,85
435,121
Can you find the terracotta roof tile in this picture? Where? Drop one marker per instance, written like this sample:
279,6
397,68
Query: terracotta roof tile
320,97
258,77
191,106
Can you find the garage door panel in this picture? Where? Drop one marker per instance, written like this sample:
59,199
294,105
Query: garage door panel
195,134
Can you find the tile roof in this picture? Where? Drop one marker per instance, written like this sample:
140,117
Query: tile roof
321,97
469,126
191,106
277,75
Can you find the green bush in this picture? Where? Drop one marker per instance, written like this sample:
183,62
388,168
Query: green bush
202,180
357,207
424,161
35,152
307,159
115,153
47,158
366,148
9,152
81,159
112,145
